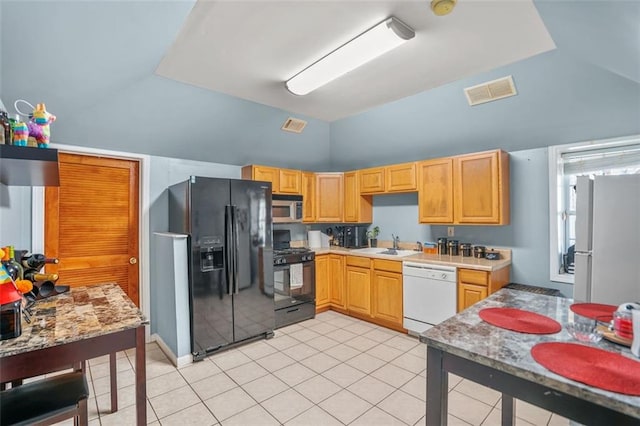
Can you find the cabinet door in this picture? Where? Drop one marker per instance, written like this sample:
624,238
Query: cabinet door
435,195
351,196
358,289
329,196
401,177
290,181
387,296
308,196
477,188
372,180
468,294
336,281
268,174
322,281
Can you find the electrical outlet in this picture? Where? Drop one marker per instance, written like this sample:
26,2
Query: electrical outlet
450,231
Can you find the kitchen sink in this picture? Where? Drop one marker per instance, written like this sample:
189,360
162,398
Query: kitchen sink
378,250
399,253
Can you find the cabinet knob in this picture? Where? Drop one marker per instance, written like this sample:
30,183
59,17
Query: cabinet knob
133,260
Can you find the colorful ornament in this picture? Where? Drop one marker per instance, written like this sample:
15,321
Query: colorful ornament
39,125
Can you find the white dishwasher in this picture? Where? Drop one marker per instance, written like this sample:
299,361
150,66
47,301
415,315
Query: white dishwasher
429,295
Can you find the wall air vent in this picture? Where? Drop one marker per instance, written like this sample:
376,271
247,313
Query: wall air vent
491,91
294,125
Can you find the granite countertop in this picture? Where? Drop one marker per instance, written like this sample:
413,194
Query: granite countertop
78,314
467,336
456,261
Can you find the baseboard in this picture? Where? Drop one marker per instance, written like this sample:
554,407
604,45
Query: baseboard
178,362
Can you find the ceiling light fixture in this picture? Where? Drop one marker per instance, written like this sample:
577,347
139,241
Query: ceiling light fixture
374,42
442,7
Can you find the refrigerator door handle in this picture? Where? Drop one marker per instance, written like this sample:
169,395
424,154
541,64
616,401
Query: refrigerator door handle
236,244
230,258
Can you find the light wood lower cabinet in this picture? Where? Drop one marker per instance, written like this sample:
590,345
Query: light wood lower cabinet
474,285
330,288
322,283
337,295
358,283
387,296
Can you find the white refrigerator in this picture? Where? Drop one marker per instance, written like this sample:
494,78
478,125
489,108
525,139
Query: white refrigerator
607,256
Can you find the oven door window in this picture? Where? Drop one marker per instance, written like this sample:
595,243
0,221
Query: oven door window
303,288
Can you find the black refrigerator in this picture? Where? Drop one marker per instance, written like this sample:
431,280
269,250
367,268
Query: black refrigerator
230,259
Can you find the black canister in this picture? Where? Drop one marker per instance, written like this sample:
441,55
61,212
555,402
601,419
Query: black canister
478,252
453,247
465,249
442,245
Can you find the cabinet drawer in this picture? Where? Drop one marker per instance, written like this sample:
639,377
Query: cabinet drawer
363,262
387,265
473,277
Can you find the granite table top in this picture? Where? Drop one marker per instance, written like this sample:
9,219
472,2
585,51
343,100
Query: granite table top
469,337
80,313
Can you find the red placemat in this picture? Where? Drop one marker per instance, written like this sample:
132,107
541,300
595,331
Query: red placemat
597,311
591,366
520,320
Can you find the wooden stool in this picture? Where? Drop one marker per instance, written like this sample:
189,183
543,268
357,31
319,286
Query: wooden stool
46,401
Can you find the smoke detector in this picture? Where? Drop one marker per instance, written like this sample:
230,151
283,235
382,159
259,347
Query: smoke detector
442,7
491,91
294,125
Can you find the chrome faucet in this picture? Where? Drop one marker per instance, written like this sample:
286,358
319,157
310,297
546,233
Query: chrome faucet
395,241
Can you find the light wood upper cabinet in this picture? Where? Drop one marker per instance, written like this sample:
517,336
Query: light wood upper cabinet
435,198
467,189
263,173
372,180
357,208
290,181
481,188
337,296
401,178
308,180
322,282
329,197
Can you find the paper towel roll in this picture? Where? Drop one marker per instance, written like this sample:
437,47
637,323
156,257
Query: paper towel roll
314,239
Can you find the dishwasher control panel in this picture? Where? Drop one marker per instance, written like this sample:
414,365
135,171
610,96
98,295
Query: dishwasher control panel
429,271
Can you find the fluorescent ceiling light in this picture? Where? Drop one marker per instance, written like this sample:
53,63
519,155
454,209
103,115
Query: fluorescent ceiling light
374,42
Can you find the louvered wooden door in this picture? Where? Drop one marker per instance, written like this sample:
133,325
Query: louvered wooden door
91,222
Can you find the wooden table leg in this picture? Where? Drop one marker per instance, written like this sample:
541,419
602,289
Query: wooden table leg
113,374
141,377
437,389
508,410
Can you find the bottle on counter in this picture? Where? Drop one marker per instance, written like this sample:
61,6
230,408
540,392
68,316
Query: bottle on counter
15,269
34,276
36,261
5,128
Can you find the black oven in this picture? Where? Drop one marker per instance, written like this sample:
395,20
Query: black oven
294,282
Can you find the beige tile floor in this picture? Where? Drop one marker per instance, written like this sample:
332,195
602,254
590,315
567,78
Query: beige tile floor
332,370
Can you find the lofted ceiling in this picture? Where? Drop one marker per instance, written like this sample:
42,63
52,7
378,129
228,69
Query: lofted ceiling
247,49
99,64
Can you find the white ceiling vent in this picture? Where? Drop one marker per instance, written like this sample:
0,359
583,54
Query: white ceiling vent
491,91
294,125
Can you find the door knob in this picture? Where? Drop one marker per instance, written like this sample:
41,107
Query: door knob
133,260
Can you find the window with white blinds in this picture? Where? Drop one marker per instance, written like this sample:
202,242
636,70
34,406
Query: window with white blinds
567,162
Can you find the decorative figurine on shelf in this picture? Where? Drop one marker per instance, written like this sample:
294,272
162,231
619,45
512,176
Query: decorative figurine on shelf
38,124
20,131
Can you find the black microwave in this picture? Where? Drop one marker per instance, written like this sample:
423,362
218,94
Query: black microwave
286,208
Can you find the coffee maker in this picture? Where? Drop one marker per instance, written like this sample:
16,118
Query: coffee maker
354,236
